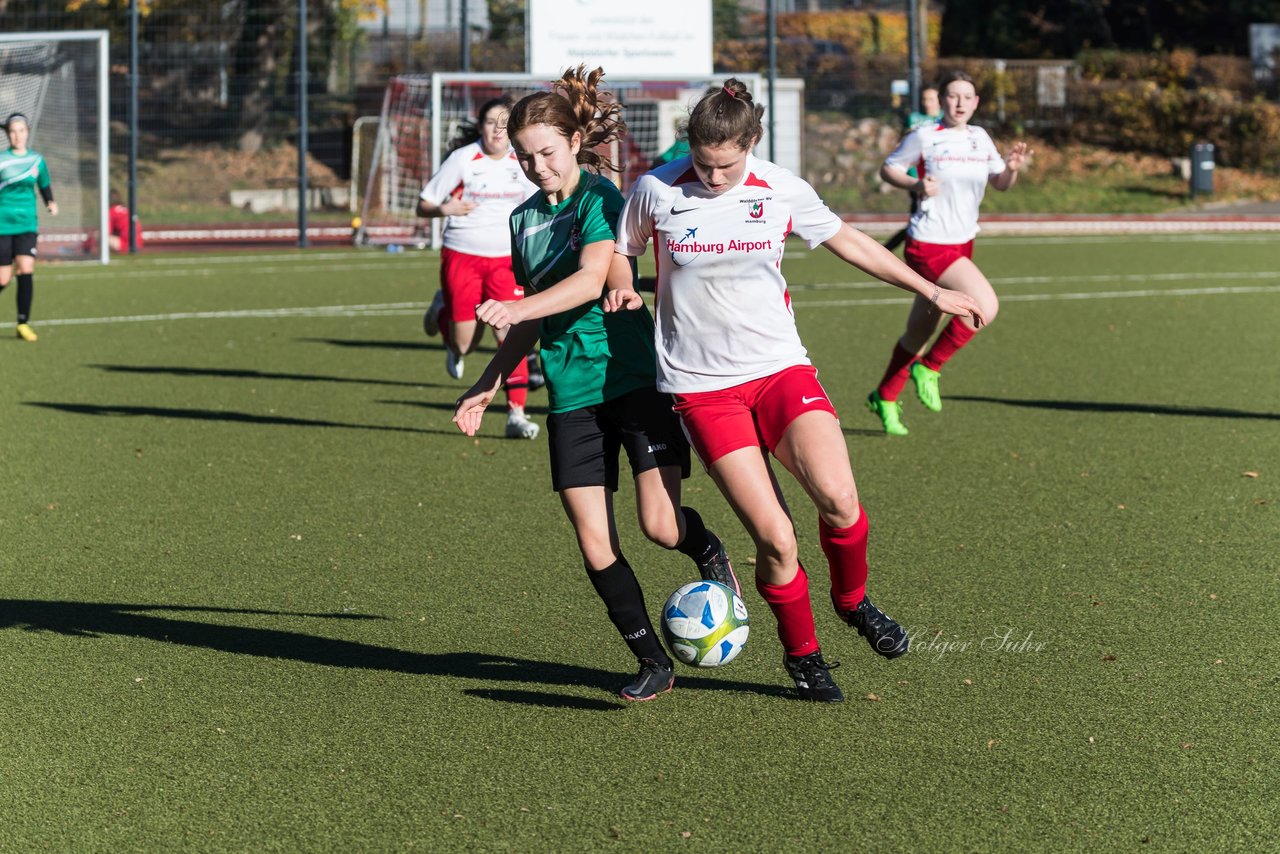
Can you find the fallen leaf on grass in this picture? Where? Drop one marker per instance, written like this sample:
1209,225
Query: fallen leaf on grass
873,698
1108,657
1251,474
685,834
992,742
968,681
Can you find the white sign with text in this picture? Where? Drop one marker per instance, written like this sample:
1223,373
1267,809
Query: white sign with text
656,38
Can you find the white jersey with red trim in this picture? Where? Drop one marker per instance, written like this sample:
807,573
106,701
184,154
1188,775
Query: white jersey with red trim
722,312
962,159
496,187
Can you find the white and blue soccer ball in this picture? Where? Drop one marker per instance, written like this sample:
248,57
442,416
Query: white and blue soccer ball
705,624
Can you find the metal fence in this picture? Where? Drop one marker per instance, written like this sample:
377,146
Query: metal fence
218,101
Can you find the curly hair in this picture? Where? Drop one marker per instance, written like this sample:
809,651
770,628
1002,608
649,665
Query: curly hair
726,114
575,104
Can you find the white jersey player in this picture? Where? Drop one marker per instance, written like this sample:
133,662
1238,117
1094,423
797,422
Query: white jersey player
477,187
729,352
954,163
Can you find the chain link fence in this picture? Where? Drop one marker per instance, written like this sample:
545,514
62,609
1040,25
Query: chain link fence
218,100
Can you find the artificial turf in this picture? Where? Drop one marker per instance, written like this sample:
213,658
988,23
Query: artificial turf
258,593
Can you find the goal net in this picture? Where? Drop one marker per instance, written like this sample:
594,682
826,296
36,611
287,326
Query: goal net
421,113
59,82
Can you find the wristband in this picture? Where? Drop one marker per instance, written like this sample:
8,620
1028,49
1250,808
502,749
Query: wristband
933,300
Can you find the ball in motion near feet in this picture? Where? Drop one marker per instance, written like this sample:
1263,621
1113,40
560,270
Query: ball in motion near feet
705,624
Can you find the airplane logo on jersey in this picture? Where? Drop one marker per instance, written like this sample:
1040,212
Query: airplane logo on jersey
690,234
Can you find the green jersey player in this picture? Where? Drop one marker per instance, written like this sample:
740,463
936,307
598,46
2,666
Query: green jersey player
22,173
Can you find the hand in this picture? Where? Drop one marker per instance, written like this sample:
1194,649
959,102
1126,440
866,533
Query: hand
457,207
53,208
959,304
927,187
499,314
622,299
469,409
1018,156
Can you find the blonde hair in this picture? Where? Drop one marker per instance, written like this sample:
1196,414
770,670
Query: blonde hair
575,104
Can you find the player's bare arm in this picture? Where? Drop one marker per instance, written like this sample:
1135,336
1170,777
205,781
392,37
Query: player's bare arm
900,178
1017,158
470,408
583,286
855,248
449,207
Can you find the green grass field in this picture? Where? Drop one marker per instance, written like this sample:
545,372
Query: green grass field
259,595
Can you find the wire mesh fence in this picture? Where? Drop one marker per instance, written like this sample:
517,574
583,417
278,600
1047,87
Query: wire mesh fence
218,93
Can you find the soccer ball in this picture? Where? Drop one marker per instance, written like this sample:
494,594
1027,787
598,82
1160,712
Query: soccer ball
705,624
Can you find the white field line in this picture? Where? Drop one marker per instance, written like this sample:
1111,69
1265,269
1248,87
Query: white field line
262,270
1264,275
397,309
1087,295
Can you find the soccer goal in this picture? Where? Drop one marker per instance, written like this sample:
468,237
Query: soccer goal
59,82
421,113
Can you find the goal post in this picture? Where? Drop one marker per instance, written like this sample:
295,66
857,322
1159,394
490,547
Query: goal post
58,80
421,113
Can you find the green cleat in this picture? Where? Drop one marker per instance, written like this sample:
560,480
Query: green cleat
890,412
926,380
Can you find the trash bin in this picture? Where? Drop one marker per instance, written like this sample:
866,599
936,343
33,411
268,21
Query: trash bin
1202,169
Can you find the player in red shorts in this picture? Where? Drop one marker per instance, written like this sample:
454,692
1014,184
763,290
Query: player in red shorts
477,187
729,352
956,162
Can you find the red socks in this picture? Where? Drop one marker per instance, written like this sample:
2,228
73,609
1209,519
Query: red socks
846,551
895,376
517,385
790,605
956,335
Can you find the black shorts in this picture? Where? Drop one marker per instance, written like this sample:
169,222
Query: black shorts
13,245
584,442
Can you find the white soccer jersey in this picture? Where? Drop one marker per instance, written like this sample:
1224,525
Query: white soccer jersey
962,159
722,312
496,187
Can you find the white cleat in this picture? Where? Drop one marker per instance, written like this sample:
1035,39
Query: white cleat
519,427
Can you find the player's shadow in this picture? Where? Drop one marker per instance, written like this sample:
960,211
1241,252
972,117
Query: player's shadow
246,374
1122,408
495,408
220,415
93,620
357,344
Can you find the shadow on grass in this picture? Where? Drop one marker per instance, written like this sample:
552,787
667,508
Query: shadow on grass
496,408
221,415
1134,408
376,345
92,620
230,373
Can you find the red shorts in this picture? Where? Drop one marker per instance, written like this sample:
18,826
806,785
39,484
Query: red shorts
754,414
468,280
931,260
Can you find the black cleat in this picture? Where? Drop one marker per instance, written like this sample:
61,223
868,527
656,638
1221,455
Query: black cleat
718,568
537,379
881,631
652,680
813,677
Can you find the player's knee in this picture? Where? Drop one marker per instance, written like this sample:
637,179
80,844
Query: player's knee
597,551
838,506
777,543
662,529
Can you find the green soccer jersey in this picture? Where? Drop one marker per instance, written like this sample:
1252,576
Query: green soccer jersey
20,175
588,356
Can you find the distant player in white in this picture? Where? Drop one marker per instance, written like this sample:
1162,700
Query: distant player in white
729,352
955,162
477,187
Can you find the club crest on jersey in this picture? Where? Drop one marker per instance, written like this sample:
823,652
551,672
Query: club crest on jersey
757,210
